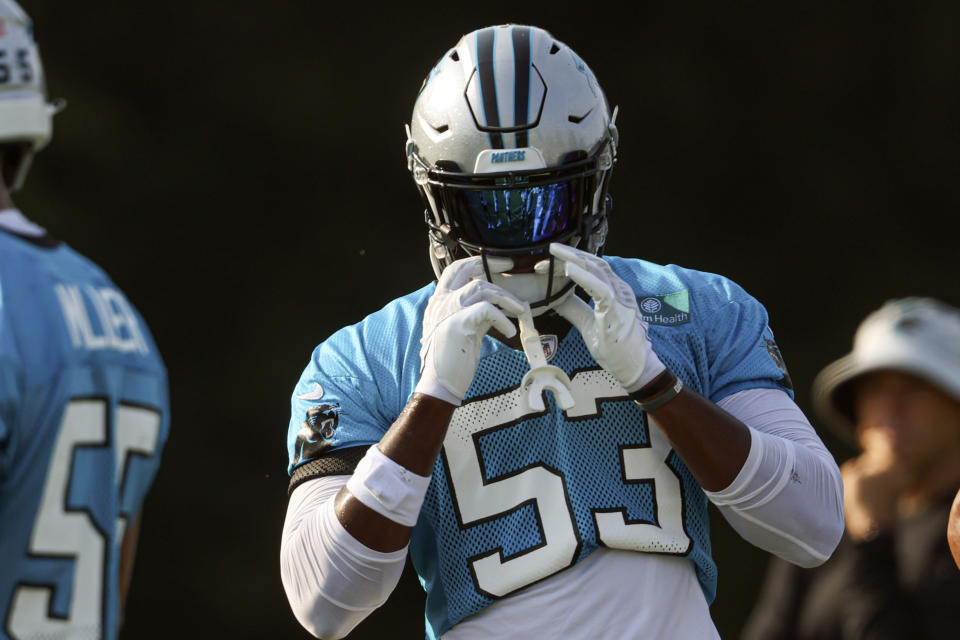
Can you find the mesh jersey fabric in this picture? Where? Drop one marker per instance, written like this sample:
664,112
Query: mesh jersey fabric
84,415
515,498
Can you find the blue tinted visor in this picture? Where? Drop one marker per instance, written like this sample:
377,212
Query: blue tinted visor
508,218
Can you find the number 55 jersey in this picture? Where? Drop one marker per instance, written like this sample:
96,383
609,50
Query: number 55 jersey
517,496
84,415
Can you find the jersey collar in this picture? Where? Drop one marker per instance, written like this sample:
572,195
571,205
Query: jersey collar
13,221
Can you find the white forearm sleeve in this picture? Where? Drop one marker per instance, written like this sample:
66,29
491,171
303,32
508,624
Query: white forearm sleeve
788,497
332,581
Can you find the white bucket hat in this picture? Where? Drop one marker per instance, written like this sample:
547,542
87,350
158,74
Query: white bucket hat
920,336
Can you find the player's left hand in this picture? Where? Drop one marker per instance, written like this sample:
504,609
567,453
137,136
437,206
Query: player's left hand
613,330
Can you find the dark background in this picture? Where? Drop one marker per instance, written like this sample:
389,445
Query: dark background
238,168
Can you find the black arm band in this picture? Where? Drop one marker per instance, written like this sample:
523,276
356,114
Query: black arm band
341,462
661,390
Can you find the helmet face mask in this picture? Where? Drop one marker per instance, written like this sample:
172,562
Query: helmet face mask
511,145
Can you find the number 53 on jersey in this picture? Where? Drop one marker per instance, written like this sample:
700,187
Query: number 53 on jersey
640,457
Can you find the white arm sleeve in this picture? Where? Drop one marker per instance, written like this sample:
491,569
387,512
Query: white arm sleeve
332,580
788,497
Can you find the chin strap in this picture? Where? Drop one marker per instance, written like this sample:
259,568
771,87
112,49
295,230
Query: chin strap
486,266
440,236
550,277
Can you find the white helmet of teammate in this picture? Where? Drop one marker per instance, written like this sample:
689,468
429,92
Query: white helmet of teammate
26,118
511,145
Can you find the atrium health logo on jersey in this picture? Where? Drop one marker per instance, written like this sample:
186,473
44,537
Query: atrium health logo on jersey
651,305
669,309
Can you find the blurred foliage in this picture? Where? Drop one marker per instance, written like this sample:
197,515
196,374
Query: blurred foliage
238,169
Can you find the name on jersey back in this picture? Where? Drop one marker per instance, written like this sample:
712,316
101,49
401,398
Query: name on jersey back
100,318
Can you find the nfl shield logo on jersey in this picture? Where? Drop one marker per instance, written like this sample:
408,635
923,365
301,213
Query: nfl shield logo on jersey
549,344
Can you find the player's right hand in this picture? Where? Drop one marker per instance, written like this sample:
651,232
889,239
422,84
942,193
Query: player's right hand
460,312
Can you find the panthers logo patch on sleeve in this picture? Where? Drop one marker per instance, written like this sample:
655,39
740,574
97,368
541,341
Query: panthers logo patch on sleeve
777,358
316,435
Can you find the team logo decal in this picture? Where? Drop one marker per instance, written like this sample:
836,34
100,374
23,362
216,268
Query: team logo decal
516,155
778,360
667,310
549,344
907,325
318,431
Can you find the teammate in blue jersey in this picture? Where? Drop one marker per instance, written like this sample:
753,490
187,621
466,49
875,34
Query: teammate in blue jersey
542,428
84,408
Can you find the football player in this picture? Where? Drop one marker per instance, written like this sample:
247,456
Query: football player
581,512
83,398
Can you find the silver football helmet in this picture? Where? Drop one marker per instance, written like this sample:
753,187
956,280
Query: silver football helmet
26,118
511,145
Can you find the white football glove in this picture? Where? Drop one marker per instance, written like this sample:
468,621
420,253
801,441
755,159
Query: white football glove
613,329
458,315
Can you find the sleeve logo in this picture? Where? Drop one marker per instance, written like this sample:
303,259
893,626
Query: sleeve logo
778,360
318,432
316,394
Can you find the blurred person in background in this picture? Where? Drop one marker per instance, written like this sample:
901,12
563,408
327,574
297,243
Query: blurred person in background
424,429
897,396
84,408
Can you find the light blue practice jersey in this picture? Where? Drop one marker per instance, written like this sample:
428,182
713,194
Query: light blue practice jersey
518,496
84,414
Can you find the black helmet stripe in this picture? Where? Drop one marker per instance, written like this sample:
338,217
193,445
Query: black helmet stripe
521,98
486,42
